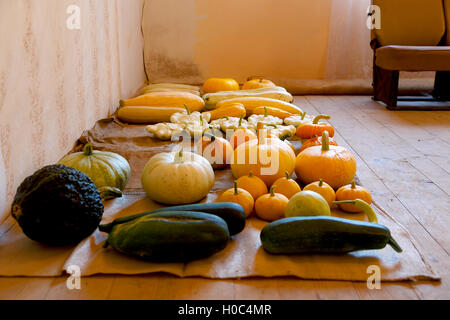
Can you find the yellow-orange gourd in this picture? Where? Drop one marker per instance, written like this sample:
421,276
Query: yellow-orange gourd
323,189
239,196
254,185
253,83
268,159
352,192
220,84
271,206
335,165
287,186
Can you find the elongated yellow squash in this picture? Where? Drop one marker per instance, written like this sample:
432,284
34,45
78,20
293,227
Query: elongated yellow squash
145,114
230,110
166,99
279,93
250,103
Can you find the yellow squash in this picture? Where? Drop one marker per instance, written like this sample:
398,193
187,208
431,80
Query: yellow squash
232,110
251,103
144,114
166,99
272,111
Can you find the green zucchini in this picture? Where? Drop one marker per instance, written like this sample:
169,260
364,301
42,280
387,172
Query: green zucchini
171,236
232,213
324,235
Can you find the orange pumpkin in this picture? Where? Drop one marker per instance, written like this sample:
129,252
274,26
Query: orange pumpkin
254,185
271,206
268,159
316,128
335,165
242,135
239,196
216,150
220,84
352,192
316,141
287,186
323,189
252,83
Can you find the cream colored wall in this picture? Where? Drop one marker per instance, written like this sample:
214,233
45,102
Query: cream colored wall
192,40
56,82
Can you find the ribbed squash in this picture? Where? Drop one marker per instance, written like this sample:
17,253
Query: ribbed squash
143,114
232,110
251,103
109,171
166,99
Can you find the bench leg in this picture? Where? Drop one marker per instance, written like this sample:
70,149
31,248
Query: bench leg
385,85
442,86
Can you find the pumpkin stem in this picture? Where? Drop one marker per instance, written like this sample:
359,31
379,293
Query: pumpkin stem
364,206
226,118
303,115
235,186
88,150
288,176
325,141
321,182
240,121
201,120
187,109
265,112
353,184
287,135
250,174
320,117
272,191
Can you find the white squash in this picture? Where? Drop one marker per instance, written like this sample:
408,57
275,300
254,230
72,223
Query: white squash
177,178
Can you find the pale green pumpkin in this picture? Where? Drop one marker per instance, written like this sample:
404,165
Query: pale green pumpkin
108,170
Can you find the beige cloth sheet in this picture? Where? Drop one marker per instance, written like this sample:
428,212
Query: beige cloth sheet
243,257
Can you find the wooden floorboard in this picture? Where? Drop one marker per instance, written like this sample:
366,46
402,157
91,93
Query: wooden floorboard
403,158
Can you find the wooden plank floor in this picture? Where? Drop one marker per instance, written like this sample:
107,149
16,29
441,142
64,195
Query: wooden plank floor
403,158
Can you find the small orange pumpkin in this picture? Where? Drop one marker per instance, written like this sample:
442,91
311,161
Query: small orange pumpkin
316,128
271,206
216,150
254,83
352,192
239,196
254,185
316,141
287,186
323,189
242,135
335,165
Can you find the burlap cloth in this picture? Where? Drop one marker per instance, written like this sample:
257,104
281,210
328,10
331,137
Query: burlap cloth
243,257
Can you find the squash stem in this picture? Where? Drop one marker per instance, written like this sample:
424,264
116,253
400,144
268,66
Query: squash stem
288,176
272,191
235,188
303,115
325,141
240,121
320,117
187,109
321,182
353,184
250,174
88,150
265,112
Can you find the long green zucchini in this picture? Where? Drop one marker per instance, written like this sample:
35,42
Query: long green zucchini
171,236
232,213
324,235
